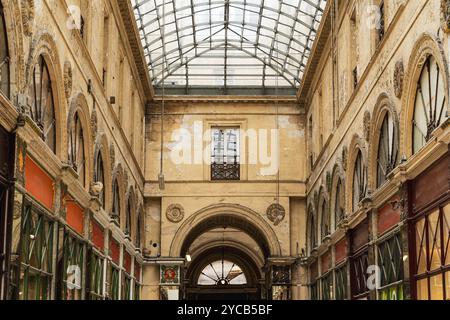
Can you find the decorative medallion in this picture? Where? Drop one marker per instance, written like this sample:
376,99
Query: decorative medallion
68,79
445,15
281,275
367,125
170,274
175,213
276,213
399,76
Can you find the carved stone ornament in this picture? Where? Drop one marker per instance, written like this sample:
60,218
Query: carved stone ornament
94,124
112,155
27,16
175,213
68,79
399,76
367,125
344,158
445,15
276,213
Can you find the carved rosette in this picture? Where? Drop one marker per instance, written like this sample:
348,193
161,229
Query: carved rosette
399,76
175,213
68,79
27,7
445,15
367,125
276,213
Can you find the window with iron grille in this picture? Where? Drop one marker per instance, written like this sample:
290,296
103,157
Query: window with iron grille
341,283
225,157
114,289
95,278
327,286
36,272
359,276
390,261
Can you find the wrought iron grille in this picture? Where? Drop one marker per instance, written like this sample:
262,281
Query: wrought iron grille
225,159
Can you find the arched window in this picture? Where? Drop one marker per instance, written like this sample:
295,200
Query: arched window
76,148
339,211
222,273
138,230
99,176
312,231
430,105
42,103
325,219
387,158
359,181
128,216
116,202
4,56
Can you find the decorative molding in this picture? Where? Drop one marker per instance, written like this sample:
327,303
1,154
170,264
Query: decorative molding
27,16
68,79
276,213
94,124
399,77
175,213
445,15
367,125
344,158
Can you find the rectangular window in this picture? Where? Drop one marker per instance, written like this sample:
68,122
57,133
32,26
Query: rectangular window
37,259
114,276
341,283
71,267
327,286
359,276
95,278
126,287
225,157
390,261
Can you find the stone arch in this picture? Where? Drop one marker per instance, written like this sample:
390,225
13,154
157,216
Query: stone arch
234,215
235,255
427,45
130,200
118,177
383,106
357,145
102,147
15,33
337,176
44,45
323,199
79,105
311,219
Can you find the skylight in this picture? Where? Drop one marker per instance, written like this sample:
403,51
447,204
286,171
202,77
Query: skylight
227,46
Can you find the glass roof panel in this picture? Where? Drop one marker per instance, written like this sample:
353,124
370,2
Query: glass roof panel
227,43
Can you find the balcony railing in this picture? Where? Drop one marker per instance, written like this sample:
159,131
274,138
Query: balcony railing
225,170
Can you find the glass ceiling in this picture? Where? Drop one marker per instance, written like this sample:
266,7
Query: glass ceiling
223,45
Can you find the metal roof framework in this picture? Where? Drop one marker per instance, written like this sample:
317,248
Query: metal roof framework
224,45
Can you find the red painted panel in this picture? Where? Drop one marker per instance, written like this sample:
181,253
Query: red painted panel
326,262
431,184
137,271
360,236
127,262
314,271
114,250
388,217
39,184
98,235
75,216
341,251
